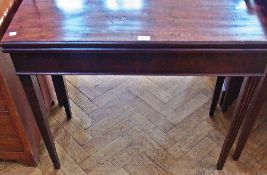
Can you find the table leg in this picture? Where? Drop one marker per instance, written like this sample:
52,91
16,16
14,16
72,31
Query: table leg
251,116
33,92
216,95
244,100
62,93
232,91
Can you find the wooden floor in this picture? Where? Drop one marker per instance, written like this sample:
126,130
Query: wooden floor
125,125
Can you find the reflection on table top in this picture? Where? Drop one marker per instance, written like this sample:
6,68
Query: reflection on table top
137,20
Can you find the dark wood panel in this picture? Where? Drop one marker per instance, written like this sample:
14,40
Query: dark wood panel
27,140
6,127
19,156
10,143
143,63
4,114
2,104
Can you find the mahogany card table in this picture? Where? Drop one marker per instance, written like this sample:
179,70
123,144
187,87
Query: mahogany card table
141,37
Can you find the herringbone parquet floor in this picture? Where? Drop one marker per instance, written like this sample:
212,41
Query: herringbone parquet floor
142,125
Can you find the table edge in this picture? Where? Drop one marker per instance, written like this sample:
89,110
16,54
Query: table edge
15,46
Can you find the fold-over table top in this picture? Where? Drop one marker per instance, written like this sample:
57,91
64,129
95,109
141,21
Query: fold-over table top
137,20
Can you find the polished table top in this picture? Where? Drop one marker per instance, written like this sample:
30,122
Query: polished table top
186,37
137,20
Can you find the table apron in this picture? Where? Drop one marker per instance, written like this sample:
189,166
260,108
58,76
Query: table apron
182,63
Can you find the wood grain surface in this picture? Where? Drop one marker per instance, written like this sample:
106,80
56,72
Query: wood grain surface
114,20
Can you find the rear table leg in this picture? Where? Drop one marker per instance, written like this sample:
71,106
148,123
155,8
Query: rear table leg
216,95
62,93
